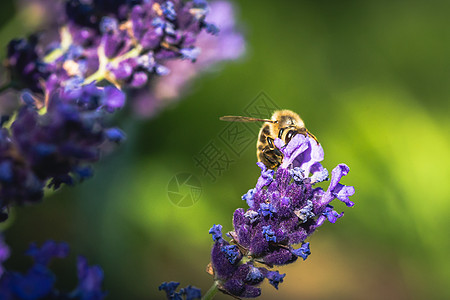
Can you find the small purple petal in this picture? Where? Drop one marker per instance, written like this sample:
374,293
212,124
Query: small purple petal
269,234
191,292
267,209
139,79
169,288
337,190
114,98
331,214
115,135
36,284
124,70
216,232
232,253
294,148
275,278
48,251
303,251
248,197
90,279
266,176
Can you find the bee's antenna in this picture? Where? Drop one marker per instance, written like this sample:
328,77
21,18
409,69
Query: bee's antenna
245,119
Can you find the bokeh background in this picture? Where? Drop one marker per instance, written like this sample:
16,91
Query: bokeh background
370,79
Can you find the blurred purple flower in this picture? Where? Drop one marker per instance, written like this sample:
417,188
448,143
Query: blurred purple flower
4,254
38,282
187,293
58,146
90,281
48,251
59,129
125,42
228,44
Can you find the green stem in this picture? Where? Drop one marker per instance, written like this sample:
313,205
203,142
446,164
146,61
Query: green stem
99,75
211,292
102,71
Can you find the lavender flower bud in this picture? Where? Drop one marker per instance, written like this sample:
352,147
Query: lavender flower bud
275,278
303,251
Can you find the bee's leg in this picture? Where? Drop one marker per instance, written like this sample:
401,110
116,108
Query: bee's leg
271,146
272,157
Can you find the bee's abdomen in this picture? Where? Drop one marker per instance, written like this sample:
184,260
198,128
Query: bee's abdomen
266,151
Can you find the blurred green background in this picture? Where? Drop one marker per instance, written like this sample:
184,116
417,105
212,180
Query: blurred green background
370,79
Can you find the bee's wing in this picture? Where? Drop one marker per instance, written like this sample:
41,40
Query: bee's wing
244,119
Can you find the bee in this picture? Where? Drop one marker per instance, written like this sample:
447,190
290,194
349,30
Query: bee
284,124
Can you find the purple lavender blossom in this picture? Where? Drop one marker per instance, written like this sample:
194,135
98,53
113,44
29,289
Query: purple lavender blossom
58,146
127,43
90,281
25,65
59,130
48,251
284,210
187,293
215,47
38,282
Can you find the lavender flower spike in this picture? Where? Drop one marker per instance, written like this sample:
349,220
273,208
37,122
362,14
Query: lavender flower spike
187,293
73,75
284,210
38,282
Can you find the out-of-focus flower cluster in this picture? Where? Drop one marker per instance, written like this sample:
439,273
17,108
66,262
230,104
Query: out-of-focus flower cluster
38,282
187,293
125,42
146,47
284,210
70,81
57,146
